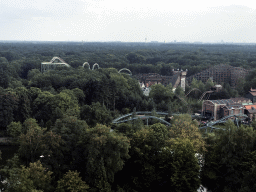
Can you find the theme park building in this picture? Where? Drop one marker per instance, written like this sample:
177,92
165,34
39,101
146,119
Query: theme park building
221,74
148,79
217,109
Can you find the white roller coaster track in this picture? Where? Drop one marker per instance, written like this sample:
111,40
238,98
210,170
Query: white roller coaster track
86,63
54,58
62,62
93,67
45,66
125,69
51,65
95,64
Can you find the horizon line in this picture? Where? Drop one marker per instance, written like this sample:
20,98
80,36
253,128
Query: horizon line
148,42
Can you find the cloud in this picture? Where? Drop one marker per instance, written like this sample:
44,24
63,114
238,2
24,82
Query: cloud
126,20
26,9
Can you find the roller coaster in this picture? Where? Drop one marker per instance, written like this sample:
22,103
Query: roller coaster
143,117
93,67
86,63
200,99
203,94
52,64
194,89
125,69
182,99
95,64
223,120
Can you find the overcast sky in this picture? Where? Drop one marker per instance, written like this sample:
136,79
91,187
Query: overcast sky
129,21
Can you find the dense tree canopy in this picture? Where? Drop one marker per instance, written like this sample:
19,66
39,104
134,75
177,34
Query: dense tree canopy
230,159
61,120
157,163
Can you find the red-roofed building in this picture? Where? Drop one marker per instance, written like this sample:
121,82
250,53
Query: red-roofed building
250,111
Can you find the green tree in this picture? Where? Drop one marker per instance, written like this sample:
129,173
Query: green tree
51,107
118,87
8,106
34,178
71,182
67,102
135,58
105,153
70,128
4,72
79,94
157,163
95,113
184,127
229,159
161,93
14,129
240,86
42,106
208,85
33,73
183,166
195,85
249,183
36,141
24,105
179,91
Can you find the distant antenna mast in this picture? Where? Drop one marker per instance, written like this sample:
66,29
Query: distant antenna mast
145,40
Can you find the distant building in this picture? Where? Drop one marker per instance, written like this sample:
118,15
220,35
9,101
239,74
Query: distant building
221,74
142,85
148,79
217,109
146,91
250,111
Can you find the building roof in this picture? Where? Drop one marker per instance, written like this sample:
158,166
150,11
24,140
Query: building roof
230,101
234,106
251,108
240,100
222,101
247,103
248,107
174,80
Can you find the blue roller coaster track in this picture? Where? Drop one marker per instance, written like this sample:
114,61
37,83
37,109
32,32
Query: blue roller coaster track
147,115
223,120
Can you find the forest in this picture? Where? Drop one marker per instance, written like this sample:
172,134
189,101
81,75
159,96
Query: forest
60,122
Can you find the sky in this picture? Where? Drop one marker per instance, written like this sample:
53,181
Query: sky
128,21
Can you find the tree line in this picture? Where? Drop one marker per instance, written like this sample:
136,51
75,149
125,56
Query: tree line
61,121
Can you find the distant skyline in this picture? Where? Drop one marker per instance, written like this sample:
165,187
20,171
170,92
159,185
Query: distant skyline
131,21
